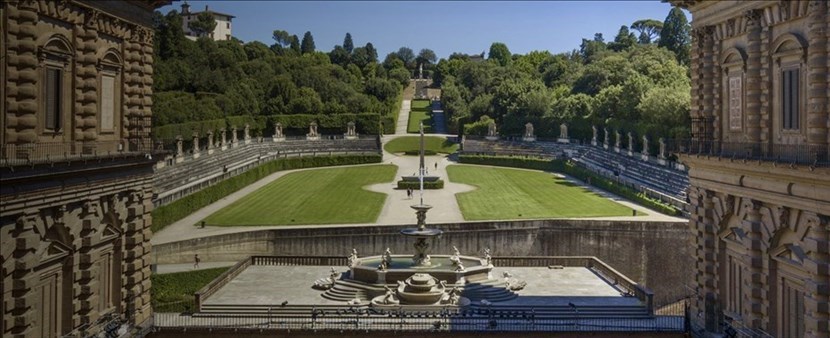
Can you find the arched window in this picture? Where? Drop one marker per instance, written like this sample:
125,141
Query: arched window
55,58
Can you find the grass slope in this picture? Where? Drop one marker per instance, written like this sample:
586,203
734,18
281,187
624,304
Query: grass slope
323,196
173,292
518,194
413,143
420,112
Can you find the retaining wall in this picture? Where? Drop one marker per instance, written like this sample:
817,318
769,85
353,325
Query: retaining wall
656,254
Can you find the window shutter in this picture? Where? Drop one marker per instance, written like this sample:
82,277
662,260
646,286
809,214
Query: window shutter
794,99
53,99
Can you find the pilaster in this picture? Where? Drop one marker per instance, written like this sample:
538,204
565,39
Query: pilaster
765,84
756,253
85,279
817,287
24,294
753,76
703,239
817,76
22,74
86,80
708,71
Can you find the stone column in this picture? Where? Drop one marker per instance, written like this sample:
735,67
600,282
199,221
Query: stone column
704,236
247,133
196,145
708,78
233,137
136,256
617,143
753,76
630,144
817,287
817,77
21,263
210,144
85,279
224,138
756,252
661,158
644,153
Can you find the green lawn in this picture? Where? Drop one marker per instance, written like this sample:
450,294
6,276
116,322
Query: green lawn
412,143
173,292
321,196
420,112
516,194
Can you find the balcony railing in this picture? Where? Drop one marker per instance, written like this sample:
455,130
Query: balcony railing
793,154
52,152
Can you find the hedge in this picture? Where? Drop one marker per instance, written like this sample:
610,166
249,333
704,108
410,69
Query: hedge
439,184
418,152
368,124
575,171
181,208
186,130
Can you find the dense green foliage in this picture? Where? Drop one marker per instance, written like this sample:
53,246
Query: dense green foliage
205,80
323,196
521,194
173,292
166,215
412,144
630,84
439,184
575,171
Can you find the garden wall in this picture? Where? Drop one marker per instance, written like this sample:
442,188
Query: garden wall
656,254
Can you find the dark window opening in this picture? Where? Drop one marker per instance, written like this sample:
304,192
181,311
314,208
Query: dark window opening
53,99
789,99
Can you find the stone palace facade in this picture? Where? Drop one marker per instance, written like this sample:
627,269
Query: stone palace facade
76,164
760,179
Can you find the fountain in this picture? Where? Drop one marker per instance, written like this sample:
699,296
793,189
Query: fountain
422,279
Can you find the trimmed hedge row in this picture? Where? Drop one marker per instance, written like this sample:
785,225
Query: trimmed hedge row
439,184
418,152
186,130
575,171
166,215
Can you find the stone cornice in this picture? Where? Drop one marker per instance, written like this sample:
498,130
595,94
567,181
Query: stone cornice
797,187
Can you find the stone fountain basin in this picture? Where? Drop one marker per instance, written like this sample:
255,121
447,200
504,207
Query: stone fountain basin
421,293
401,268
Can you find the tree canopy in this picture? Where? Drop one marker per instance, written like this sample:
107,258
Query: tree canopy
307,46
675,35
203,25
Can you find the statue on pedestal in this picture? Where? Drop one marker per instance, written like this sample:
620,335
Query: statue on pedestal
529,136
563,134
312,132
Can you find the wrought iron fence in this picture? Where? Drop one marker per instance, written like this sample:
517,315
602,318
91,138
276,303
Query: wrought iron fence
474,319
50,152
794,154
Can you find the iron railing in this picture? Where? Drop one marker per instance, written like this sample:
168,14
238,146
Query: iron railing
472,319
793,154
51,152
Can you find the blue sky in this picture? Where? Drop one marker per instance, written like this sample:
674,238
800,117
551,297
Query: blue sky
445,27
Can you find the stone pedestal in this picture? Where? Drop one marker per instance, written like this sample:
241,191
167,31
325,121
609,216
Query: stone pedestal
594,143
529,138
563,140
644,157
312,137
616,149
350,137
491,138
662,161
381,277
276,138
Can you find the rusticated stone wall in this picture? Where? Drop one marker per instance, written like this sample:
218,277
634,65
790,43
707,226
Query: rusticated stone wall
75,236
652,253
760,229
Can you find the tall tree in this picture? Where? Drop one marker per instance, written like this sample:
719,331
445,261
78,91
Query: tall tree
282,38
307,46
373,53
406,55
347,43
649,30
426,56
203,25
623,41
500,53
339,56
295,43
675,35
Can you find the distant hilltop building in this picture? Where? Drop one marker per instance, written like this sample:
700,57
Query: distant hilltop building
222,31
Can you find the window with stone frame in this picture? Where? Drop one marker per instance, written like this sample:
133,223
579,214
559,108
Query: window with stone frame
110,67
790,98
55,58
